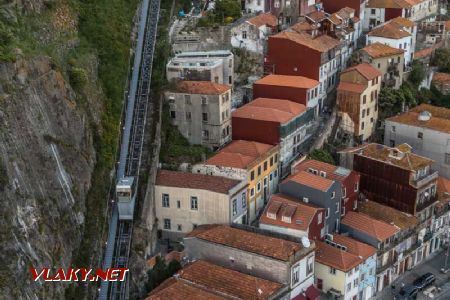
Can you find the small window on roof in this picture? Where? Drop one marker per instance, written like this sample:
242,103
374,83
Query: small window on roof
323,174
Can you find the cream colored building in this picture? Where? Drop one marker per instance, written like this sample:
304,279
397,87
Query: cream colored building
357,100
202,112
185,200
255,163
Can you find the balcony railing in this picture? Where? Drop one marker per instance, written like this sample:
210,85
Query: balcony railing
426,203
425,180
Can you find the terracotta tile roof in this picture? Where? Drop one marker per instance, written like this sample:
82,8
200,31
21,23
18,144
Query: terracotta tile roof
332,172
332,256
311,180
346,12
377,50
377,229
202,87
187,180
366,70
301,26
335,19
274,110
439,121
388,4
423,53
223,281
390,31
443,192
387,214
354,247
300,219
403,22
351,87
321,43
249,241
239,154
174,289
441,77
264,19
404,159
288,81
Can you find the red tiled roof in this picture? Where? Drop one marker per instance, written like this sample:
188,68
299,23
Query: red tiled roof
223,281
264,19
443,192
202,87
275,110
248,241
423,53
332,256
174,289
377,229
322,43
388,4
311,180
187,180
390,31
300,219
366,70
403,22
441,77
354,247
387,214
332,172
317,15
288,81
239,154
377,50
301,26
351,87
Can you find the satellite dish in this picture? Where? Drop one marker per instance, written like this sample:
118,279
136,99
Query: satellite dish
424,116
305,242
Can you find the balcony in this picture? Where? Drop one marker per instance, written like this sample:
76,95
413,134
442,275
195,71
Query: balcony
426,203
425,180
393,67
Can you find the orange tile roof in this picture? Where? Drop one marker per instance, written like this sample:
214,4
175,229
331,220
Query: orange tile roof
317,15
443,192
332,172
403,22
322,43
337,258
249,241
301,26
346,12
240,154
202,87
274,110
335,19
300,219
441,77
377,229
187,180
390,31
288,81
387,214
230,283
439,121
377,50
405,159
351,87
423,53
366,70
388,4
264,19
174,289
311,180
354,247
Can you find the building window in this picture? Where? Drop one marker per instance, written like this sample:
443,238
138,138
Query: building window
179,227
270,176
205,134
393,128
362,125
355,283
204,117
234,207
364,99
204,99
310,266
355,205
327,213
265,165
276,157
363,113
258,186
244,200
323,174
252,175
244,34
337,207
172,114
178,204
188,116
349,287
333,194
187,99
356,186
167,224
252,192
194,203
420,135
259,170
165,200
275,174
319,218
344,192
447,158
295,275
372,11
271,161
332,271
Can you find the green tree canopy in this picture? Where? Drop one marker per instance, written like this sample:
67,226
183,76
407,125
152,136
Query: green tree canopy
417,74
322,155
227,8
441,59
160,272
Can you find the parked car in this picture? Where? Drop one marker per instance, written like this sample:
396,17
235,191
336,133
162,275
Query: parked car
407,293
424,281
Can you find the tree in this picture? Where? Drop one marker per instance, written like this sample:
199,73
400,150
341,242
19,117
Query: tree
441,59
160,272
322,155
417,73
227,8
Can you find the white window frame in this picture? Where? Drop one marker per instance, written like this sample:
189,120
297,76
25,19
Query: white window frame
194,203
165,200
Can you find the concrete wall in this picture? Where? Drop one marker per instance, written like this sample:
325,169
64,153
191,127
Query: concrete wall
382,64
319,198
405,43
218,110
434,144
329,281
367,287
359,235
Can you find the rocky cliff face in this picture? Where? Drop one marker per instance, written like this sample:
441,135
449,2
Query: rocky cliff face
46,154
